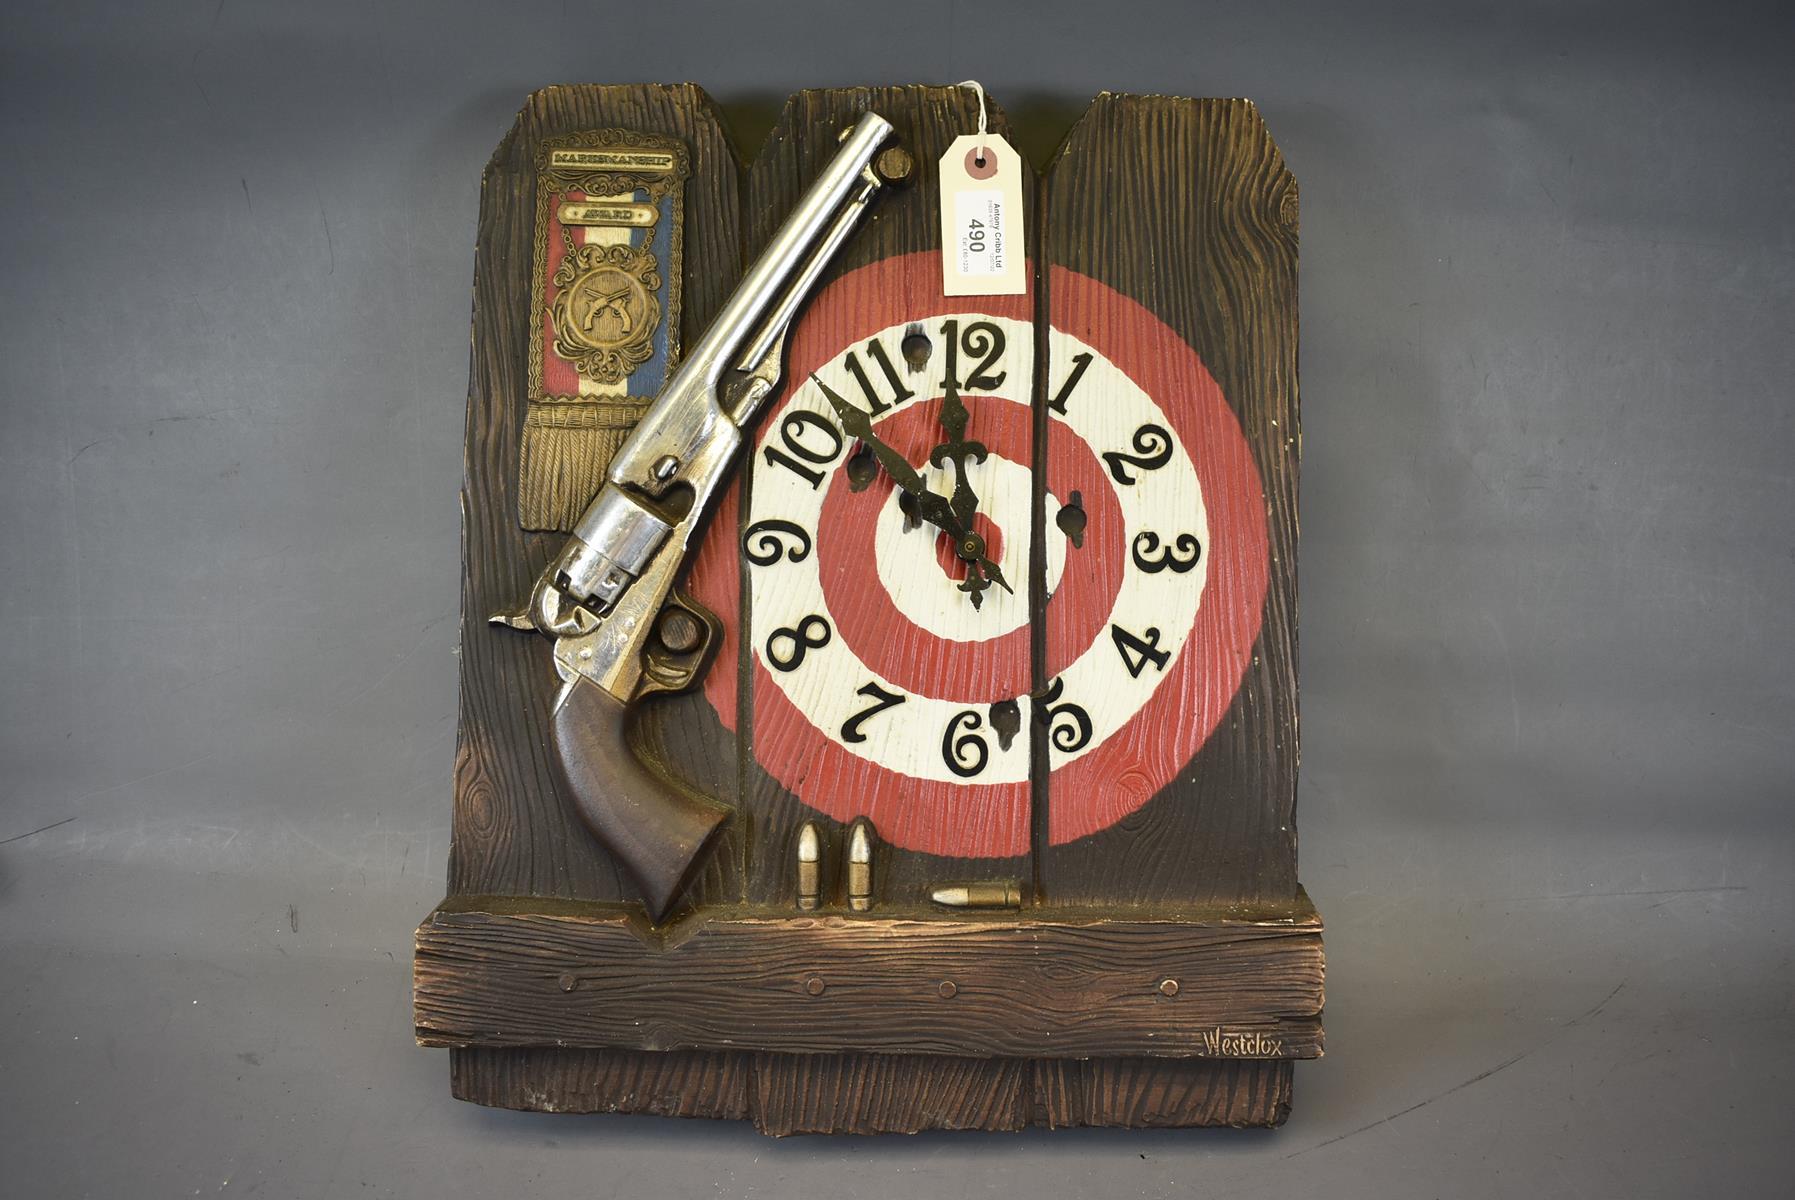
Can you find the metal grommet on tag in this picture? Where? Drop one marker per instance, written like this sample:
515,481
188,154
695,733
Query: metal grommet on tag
981,213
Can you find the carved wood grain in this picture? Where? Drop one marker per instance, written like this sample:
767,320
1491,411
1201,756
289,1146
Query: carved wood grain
1186,206
881,1093
1216,260
493,974
514,833
906,221
872,1093
547,1079
1160,1093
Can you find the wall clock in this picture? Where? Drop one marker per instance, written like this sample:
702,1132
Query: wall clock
1003,706
895,678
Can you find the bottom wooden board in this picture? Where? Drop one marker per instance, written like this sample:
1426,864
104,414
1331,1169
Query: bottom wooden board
878,1093
519,972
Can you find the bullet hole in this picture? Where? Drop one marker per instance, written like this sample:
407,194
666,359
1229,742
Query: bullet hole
916,347
862,468
1071,520
1006,721
912,514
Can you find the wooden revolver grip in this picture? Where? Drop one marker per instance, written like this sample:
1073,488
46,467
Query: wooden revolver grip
658,830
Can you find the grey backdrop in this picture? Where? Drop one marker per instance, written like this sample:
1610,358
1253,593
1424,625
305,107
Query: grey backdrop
1548,305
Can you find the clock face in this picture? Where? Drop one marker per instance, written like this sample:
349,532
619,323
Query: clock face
892,655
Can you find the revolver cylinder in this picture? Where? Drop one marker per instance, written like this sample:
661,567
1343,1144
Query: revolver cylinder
615,539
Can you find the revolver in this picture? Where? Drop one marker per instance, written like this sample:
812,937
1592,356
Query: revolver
621,629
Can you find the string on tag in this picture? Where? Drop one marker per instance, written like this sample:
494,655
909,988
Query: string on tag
984,117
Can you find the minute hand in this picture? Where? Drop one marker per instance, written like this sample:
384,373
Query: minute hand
956,450
934,508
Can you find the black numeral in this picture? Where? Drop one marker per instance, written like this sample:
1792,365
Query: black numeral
875,349
811,633
1152,450
881,700
1178,560
965,753
1080,363
791,432
1068,724
1138,652
761,543
980,339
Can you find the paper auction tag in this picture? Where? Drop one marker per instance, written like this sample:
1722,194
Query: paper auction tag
982,218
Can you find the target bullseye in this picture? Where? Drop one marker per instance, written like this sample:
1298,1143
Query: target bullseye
877,685
986,540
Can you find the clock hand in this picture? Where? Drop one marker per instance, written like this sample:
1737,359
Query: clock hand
965,502
934,508
956,450
860,424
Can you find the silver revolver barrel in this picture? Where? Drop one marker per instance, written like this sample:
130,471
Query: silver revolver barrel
684,445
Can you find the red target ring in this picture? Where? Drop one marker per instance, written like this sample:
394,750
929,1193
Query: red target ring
977,672
1110,780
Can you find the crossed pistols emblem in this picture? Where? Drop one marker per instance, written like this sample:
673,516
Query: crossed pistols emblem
605,311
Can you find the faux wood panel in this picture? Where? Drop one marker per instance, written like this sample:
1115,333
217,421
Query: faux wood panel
1079,986
1183,206
720,1084
1158,1093
907,221
870,1093
1186,207
514,833
880,1093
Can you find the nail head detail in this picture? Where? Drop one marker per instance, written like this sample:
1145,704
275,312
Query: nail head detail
948,989
1168,987
815,985
679,631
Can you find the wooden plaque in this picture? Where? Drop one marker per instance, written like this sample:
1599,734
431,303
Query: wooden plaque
1100,756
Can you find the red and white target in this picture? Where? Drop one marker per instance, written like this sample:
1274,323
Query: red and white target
879,689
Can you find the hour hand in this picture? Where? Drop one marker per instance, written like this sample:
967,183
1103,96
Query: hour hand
860,424
933,507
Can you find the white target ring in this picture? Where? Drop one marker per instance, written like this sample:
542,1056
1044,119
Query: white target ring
879,689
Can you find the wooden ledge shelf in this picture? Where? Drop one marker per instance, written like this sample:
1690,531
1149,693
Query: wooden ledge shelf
505,972
879,1093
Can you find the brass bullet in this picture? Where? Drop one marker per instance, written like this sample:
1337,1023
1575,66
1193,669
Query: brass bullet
810,866
860,866
982,893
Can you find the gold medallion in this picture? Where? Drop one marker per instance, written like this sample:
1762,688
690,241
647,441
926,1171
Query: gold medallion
605,308
605,312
